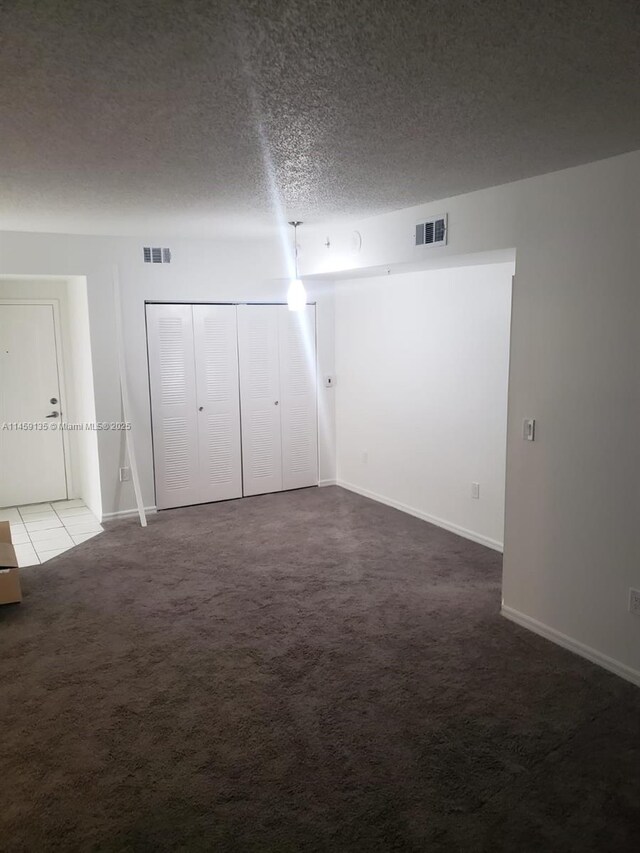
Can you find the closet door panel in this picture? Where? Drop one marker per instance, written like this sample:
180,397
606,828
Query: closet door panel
173,402
298,397
260,398
216,365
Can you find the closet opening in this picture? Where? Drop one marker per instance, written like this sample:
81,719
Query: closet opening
233,395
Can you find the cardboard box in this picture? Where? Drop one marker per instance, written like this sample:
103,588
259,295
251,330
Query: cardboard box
10,592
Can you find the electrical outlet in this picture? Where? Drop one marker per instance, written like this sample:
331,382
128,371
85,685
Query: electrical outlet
475,491
529,429
634,601
125,475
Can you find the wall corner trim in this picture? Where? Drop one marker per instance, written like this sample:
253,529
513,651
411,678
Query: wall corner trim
423,516
575,646
322,483
126,513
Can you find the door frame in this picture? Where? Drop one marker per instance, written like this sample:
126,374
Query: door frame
57,332
237,304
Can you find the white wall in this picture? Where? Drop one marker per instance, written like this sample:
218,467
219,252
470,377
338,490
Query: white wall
422,364
201,270
80,371
572,536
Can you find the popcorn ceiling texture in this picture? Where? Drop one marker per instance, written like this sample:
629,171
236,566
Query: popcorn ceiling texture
118,117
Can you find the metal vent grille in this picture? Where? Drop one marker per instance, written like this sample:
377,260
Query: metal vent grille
156,255
433,232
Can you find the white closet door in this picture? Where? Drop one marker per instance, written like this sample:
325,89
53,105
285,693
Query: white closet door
174,409
298,397
216,363
260,398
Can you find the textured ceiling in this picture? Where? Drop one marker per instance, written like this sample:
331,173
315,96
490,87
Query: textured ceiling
194,117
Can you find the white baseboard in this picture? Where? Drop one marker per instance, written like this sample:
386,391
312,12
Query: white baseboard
327,483
439,522
615,666
126,513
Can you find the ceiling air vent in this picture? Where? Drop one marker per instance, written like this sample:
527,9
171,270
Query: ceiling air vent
432,232
155,255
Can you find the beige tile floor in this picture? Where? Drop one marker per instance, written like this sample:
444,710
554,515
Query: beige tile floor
42,531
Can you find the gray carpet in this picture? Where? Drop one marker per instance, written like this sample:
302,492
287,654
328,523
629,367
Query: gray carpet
308,671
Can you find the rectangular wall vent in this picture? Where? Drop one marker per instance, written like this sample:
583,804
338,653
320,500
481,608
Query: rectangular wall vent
155,255
432,232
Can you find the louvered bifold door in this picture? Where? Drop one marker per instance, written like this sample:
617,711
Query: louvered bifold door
298,397
173,405
260,398
216,360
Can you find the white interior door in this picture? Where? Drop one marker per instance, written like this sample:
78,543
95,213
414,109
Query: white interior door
298,397
174,405
260,398
32,464
217,391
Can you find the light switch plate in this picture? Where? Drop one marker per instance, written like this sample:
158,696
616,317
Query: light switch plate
529,429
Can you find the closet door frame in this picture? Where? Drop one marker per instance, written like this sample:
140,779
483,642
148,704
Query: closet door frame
190,303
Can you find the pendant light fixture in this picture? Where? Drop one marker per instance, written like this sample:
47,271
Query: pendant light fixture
296,295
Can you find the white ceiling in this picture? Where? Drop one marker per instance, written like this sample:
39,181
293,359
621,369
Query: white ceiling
193,118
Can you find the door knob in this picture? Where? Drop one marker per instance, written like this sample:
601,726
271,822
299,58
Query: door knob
53,401
201,408
53,415
276,402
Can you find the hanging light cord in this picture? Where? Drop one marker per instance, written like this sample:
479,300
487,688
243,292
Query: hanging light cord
295,244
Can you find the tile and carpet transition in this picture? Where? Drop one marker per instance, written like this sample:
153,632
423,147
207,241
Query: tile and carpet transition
307,671
40,532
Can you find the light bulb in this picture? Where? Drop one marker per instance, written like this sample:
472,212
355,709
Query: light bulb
296,295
